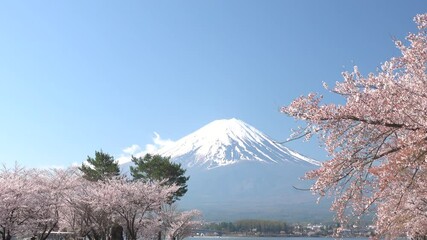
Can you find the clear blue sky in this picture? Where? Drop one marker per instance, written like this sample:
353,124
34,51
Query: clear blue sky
79,76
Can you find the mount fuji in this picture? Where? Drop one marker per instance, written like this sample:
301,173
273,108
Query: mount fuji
238,172
230,141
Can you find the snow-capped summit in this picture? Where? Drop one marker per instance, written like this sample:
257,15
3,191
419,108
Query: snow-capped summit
238,172
229,141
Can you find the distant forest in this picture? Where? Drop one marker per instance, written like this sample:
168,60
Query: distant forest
264,226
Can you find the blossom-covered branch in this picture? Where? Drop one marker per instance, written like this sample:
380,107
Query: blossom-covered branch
377,141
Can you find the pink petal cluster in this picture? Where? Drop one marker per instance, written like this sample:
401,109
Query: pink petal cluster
377,141
37,202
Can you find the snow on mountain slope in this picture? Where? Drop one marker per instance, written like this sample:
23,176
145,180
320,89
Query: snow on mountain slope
238,172
229,141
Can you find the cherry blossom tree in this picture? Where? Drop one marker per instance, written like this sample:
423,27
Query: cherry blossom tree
48,200
83,213
134,204
95,222
70,218
36,202
178,225
15,202
32,201
377,141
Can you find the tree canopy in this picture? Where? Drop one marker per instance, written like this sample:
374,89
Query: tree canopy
35,202
377,141
158,168
102,167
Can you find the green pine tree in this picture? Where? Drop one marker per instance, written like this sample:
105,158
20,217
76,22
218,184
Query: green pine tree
102,167
158,168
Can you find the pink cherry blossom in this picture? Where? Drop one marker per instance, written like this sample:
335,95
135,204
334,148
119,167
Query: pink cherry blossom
377,141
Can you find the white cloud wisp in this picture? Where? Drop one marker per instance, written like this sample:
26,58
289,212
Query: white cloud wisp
136,151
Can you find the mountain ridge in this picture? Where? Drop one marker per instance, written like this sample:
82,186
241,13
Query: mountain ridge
229,141
236,172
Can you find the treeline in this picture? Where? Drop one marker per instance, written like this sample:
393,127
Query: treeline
250,225
95,202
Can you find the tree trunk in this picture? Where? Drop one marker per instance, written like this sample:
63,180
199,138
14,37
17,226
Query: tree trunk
116,232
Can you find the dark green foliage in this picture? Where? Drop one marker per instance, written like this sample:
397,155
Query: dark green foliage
225,227
244,226
265,226
158,168
102,167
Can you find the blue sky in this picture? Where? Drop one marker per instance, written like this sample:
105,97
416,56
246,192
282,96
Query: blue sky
79,76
